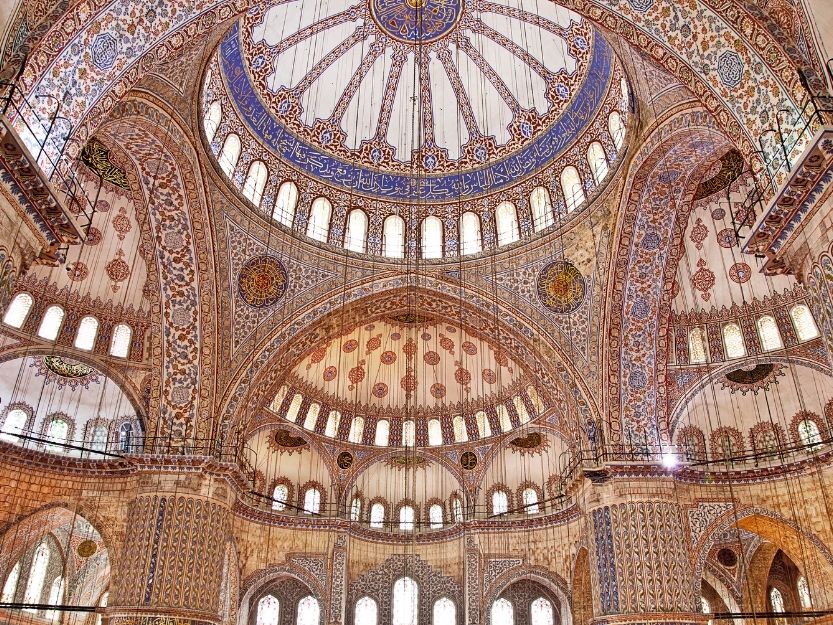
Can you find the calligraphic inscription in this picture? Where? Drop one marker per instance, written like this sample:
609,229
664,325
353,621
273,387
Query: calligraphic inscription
262,281
416,21
561,287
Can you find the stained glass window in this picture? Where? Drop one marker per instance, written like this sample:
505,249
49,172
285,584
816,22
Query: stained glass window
56,594
502,612
432,237
406,518
377,515
356,430
809,433
87,330
286,203
405,602
393,237
212,120
572,188
500,502
484,429
125,436
617,129
706,607
530,496
457,509
435,432
355,238
461,434
255,182
280,495
229,154
541,204
318,226
120,341
597,159
268,610
435,516
696,346
470,236
804,593
805,325
294,407
445,612
311,417
18,310
733,341
333,421
37,575
542,612
14,424
536,400
504,419
769,333
507,223
356,509
51,323
99,439
309,611
520,408
366,612
776,599
10,587
57,433
312,501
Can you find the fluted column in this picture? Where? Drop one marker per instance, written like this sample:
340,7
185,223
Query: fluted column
171,564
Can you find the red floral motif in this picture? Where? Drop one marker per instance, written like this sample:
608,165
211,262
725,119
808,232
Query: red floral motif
356,375
380,389
463,376
374,343
727,238
740,272
102,206
370,327
408,381
388,357
431,358
489,376
93,236
330,373
77,271
350,346
117,270
447,344
409,348
451,329
425,336
317,356
699,232
703,280
395,336
469,347
501,358
121,224
438,390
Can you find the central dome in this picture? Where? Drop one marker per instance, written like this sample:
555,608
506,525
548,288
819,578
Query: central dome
427,99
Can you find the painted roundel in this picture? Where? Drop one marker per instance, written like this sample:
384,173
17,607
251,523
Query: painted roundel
416,21
262,281
561,287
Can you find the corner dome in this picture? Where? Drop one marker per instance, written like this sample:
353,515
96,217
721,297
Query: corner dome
408,108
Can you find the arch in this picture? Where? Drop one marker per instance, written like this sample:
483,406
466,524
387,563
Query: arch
500,502
435,432
444,612
461,434
471,238
86,334
333,423
312,500
382,435
435,516
318,226
769,333
309,611
377,515
366,612
280,496
17,419
733,341
355,235
432,237
263,581
502,612
268,610
616,127
804,323
552,583
506,223
541,204
286,203
597,159
255,182
120,340
407,515
393,237
51,323
18,310
229,154
572,188
212,120
356,430
405,602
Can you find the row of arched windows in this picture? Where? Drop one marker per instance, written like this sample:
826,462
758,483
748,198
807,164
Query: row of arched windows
436,437
431,229
269,611
541,612
35,582
57,431
768,333
53,320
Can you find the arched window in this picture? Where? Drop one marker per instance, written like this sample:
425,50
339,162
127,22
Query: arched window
542,612
706,607
125,436
406,518
18,310
102,603
377,515
280,495
356,430
457,509
50,325
435,432
87,331
14,424
382,433
504,419
776,600
256,182
532,393
597,159
99,438
312,416
520,408
37,575
355,237
212,119
696,346
461,434
393,237
500,502
805,325
530,496
408,433
367,613
804,593
285,204
294,407
312,501
318,226
268,610
502,612
471,239
309,611
229,154
541,204
572,188
506,217
770,336
626,92
356,509
733,341
120,341
57,432
435,516
333,421
56,596
484,429
278,399
432,237
809,433
616,127
445,612
10,587
405,602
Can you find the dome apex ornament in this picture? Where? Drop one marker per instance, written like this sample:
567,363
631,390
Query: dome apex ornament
416,21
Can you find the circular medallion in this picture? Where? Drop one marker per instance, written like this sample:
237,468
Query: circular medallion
468,460
416,21
86,548
345,460
561,287
262,281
